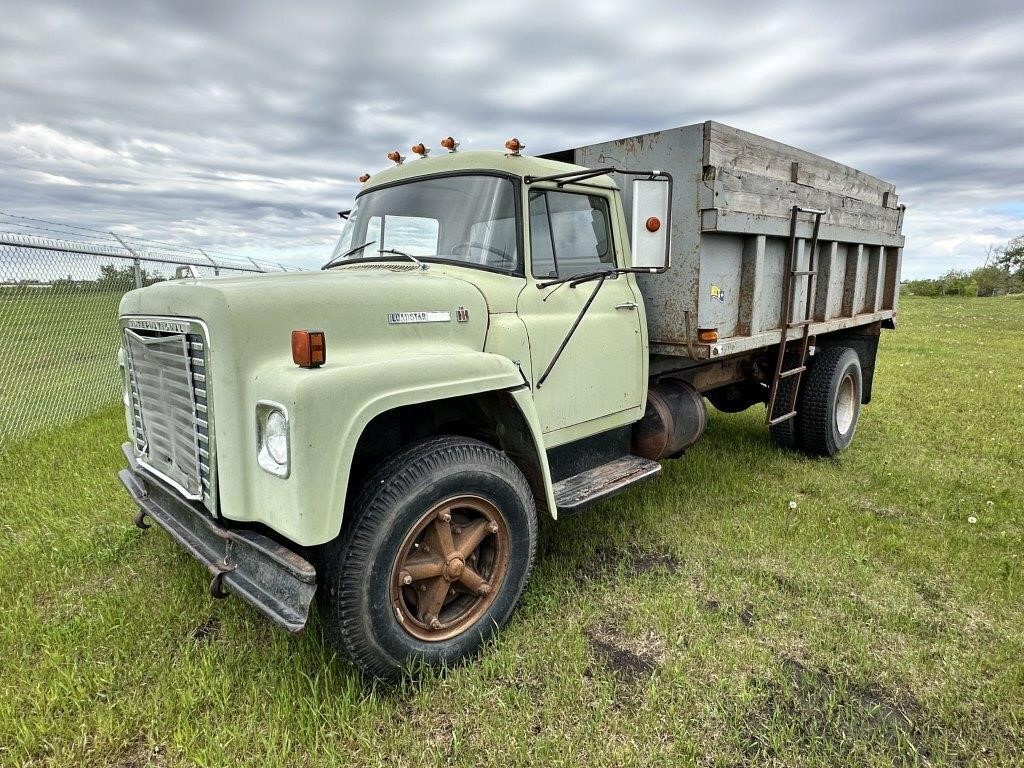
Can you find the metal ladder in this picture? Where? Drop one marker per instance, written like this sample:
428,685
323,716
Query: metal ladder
788,322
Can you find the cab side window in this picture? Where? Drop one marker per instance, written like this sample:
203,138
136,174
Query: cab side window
569,234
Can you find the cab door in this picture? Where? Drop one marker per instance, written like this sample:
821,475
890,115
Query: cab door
598,378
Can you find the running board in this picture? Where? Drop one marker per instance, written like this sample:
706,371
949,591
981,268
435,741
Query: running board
578,492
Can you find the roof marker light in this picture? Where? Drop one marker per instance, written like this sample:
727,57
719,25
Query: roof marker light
450,144
364,178
395,157
514,146
421,150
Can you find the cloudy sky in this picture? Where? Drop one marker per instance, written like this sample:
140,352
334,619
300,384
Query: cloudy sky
243,126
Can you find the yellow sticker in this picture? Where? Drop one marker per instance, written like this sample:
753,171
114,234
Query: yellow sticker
717,293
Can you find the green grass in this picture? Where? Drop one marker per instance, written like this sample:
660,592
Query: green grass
58,357
697,620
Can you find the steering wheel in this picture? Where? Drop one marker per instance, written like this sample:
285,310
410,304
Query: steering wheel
468,244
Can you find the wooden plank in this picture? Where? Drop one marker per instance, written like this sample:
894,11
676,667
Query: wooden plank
753,193
740,223
731,148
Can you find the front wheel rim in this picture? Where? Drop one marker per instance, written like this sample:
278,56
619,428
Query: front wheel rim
450,568
846,404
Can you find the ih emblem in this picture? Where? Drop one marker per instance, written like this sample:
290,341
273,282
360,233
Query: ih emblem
462,315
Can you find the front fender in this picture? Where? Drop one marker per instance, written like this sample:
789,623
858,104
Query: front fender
328,410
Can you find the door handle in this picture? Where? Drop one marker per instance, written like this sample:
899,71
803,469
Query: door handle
626,305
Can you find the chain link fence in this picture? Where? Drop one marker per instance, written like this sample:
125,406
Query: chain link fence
60,286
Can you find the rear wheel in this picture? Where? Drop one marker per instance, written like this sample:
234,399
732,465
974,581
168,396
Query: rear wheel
830,402
434,560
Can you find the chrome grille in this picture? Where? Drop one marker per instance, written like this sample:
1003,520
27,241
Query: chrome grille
169,406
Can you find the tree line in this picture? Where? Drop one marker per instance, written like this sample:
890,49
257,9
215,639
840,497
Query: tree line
1000,275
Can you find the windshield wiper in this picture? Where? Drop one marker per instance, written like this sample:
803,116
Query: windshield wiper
334,260
409,256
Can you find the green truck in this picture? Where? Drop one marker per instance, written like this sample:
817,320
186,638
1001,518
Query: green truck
496,337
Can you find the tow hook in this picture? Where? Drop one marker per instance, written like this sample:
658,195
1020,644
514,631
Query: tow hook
217,585
217,591
140,520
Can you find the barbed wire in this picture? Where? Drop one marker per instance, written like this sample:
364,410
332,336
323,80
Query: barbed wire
60,286
72,233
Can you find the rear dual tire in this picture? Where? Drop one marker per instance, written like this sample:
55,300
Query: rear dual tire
828,404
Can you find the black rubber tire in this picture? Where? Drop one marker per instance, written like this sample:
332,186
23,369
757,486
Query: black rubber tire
353,597
818,430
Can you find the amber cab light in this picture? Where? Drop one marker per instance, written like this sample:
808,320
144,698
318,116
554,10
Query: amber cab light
420,149
450,143
514,146
309,348
707,335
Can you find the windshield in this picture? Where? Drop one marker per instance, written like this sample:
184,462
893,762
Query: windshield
467,219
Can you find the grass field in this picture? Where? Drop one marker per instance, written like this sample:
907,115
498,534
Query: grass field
58,357
697,620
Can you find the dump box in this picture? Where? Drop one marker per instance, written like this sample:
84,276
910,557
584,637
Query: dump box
733,224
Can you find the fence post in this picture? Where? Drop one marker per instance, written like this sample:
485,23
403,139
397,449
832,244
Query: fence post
135,260
216,269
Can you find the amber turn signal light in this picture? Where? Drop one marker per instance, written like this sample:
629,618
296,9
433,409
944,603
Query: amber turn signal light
395,157
514,145
449,143
309,348
707,335
364,178
653,224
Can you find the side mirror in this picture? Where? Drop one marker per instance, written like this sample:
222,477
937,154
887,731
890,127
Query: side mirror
652,222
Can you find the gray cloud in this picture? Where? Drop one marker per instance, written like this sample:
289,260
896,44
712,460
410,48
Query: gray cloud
244,126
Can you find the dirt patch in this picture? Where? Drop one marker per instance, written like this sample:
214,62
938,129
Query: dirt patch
712,606
644,562
789,584
139,754
630,658
638,561
816,704
882,513
747,616
206,631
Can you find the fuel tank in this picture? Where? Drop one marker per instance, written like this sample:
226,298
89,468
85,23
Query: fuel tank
674,420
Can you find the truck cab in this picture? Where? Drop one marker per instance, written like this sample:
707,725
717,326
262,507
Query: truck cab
384,432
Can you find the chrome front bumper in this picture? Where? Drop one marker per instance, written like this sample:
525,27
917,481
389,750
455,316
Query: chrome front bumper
268,575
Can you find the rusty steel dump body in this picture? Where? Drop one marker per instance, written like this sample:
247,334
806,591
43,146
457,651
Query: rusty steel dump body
731,225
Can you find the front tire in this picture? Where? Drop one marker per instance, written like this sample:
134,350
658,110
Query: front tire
434,559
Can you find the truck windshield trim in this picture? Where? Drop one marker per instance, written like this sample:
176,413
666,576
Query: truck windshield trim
481,231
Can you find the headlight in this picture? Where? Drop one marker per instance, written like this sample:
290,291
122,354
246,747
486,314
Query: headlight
272,438
276,437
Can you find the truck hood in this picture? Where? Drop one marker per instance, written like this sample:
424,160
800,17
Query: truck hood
366,313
